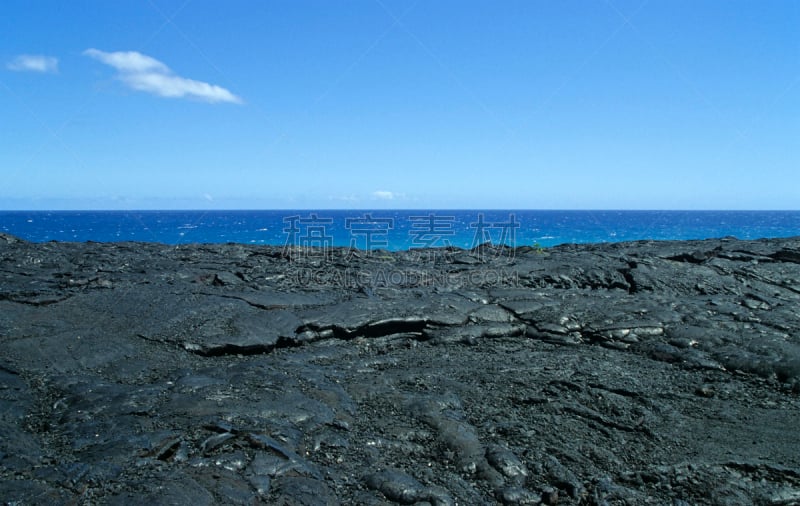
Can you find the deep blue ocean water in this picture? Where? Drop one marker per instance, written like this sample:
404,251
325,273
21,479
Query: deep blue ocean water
395,230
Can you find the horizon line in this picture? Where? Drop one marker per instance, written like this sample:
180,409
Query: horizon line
399,209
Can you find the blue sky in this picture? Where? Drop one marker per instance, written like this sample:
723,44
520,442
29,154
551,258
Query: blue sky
592,104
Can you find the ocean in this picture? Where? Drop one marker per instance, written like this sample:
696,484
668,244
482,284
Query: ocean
395,230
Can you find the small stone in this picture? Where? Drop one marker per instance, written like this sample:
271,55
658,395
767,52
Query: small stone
519,496
226,279
705,391
549,495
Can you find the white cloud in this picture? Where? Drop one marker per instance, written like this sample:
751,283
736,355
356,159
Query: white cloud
143,73
128,61
383,195
33,63
344,198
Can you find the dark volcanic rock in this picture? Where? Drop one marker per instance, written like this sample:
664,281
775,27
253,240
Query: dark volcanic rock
633,373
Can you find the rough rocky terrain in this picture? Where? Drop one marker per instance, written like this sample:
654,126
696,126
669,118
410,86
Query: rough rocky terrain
633,373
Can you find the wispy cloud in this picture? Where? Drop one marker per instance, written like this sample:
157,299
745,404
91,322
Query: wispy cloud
143,73
33,63
386,195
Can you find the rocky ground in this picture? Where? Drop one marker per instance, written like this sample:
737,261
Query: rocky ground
634,373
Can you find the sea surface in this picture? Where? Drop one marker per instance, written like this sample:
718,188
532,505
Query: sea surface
395,230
